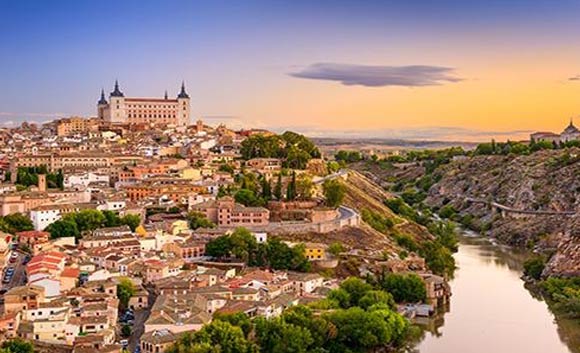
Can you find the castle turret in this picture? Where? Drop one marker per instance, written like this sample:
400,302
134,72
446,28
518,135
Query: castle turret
102,106
117,92
183,107
118,113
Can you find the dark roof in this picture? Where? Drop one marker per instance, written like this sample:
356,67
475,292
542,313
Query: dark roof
183,94
117,92
102,100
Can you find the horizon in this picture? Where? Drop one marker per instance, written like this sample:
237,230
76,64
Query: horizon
446,71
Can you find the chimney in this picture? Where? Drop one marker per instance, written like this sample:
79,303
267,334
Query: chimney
41,182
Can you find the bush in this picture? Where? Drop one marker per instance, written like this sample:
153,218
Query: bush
377,221
447,211
533,267
334,192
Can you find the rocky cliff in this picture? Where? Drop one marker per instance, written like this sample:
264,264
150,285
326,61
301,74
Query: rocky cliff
540,182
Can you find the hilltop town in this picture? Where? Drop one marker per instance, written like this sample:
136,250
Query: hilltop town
131,229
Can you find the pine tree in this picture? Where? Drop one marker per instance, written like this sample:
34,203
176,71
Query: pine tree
266,189
291,189
278,188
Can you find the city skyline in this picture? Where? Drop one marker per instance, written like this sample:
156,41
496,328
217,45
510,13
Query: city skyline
444,70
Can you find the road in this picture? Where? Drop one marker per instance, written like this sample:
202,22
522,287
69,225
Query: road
19,278
138,327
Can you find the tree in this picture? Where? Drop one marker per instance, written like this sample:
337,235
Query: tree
132,220
247,198
359,330
215,337
125,290
336,248
438,258
239,319
304,187
333,166
15,222
334,192
276,335
224,167
111,219
291,189
243,244
88,219
17,346
199,220
377,298
356,289
278,188
408,288
219,247
65,227
266,189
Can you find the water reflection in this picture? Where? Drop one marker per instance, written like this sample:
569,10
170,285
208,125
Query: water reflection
491,311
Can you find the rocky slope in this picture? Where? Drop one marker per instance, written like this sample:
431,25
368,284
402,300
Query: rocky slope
543,181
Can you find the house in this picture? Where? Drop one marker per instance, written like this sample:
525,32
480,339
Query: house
178,313
188,251
139,300
51,262
227,213
32,238
9,325
69,278
315,251
305,282
157,341
158,269
22,298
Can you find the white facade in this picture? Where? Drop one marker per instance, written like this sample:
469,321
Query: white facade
114,206
83,180
261,237
42,218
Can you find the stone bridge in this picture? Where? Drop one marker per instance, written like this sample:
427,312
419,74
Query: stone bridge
506,211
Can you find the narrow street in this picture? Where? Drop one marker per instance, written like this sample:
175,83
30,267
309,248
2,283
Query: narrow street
19,278
141,316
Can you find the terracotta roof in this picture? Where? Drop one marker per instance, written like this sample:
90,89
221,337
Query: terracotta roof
70,272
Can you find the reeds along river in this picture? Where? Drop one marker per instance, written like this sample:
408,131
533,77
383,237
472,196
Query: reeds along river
492,312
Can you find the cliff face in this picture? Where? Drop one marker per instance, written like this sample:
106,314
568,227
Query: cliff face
543,181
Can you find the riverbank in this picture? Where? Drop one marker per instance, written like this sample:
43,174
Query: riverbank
492,311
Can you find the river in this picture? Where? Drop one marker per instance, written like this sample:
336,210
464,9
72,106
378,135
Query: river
492,311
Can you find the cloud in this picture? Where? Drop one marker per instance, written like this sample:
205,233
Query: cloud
379,76
574,78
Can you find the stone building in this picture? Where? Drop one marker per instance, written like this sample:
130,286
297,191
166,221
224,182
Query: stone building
157,111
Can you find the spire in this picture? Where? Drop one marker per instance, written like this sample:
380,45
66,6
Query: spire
182,94
102,100
117,92
166,95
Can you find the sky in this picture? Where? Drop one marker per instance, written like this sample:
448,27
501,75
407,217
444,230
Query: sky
441,69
